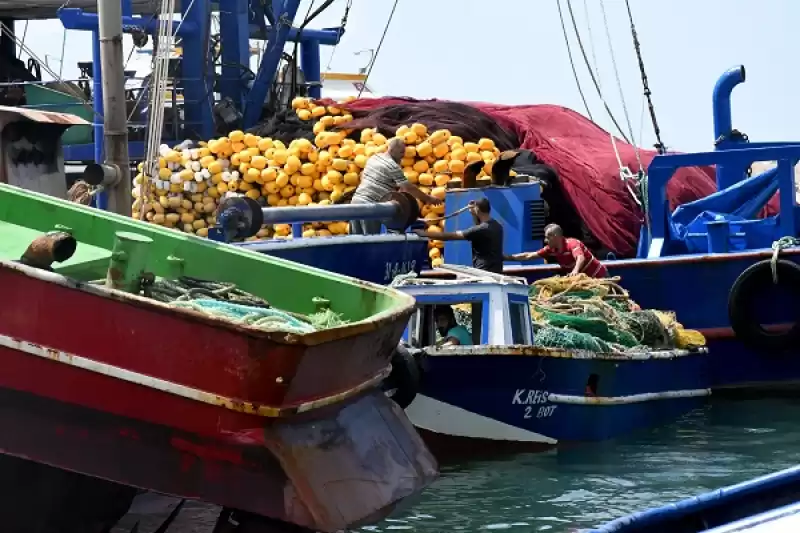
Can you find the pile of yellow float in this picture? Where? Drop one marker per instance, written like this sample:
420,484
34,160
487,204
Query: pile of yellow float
192,180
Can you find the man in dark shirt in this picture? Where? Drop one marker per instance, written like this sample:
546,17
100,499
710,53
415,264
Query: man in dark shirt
486,237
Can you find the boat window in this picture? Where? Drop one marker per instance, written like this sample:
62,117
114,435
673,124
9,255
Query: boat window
519,326
467,315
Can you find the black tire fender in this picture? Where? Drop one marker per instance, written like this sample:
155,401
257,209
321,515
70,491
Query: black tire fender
746,290
405,378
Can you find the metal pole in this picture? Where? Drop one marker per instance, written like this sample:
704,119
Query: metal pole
115,121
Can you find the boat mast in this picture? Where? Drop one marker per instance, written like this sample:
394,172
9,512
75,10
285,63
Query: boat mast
115,121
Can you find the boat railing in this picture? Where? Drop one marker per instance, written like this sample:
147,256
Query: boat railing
733,157
658,232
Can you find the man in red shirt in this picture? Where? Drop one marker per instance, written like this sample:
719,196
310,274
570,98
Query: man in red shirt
573,256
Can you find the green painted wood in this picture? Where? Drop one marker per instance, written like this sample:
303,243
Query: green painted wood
24,215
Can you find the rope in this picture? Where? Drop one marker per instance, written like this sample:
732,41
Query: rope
572,62
80,96
63,48
781,244
591,73
647,93
619,85
378,49
158,81
226,301
445,217
342,25
22,42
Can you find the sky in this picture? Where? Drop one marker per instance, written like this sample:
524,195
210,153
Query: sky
513,52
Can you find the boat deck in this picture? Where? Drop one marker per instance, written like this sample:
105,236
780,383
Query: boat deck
782,520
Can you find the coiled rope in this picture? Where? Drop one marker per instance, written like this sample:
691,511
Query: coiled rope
781,244
226,301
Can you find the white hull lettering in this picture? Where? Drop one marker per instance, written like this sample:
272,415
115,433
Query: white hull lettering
394,269
531,398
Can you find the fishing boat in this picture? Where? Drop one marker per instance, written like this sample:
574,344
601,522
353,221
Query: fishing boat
674,246
767,503
507,392
137,357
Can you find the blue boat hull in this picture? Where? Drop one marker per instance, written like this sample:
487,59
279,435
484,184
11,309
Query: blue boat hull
373,258
696,288
729,506
534,400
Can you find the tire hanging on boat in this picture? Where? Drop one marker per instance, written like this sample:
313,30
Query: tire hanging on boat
745,293
405,378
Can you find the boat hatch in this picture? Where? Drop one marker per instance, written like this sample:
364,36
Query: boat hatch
493,307
30,147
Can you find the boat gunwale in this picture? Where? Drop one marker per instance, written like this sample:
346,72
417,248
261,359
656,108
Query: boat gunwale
192,393
373,323
521,270
522,350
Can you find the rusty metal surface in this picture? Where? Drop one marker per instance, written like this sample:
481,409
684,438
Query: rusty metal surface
48,117
402,313
538,351
233,404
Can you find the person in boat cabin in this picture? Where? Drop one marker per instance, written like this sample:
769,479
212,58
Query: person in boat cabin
382,175
486,237
573,256
452,333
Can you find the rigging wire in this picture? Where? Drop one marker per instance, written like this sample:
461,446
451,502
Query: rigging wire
619,86
591,41
47,69
647,93
591,74
22,42
342,25
378,49
572,62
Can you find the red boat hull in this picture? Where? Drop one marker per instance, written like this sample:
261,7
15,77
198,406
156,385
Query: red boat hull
296,432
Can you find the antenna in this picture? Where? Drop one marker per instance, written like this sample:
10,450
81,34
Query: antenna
371,51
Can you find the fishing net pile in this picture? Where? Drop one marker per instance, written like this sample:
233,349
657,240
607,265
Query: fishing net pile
228,302
315,152
583,313
580,152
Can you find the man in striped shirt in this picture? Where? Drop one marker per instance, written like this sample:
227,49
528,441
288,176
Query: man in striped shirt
573,256
382,175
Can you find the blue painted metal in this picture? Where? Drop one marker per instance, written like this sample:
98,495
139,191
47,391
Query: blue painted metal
511,206
719,234
310,63
518,388
327,36
374,258
73,18
236,49
285,11
765,496
197,70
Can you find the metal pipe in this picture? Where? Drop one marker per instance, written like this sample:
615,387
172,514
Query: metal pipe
721,101
101,199
326,213
115,120
309,61
325,36
284,11
73,18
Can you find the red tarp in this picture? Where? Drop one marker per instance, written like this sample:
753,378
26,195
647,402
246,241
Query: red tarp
582,154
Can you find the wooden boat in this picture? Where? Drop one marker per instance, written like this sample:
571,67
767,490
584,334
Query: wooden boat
286,423
767,503
506,393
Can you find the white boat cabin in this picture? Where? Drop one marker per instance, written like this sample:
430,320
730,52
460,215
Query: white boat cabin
496,304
